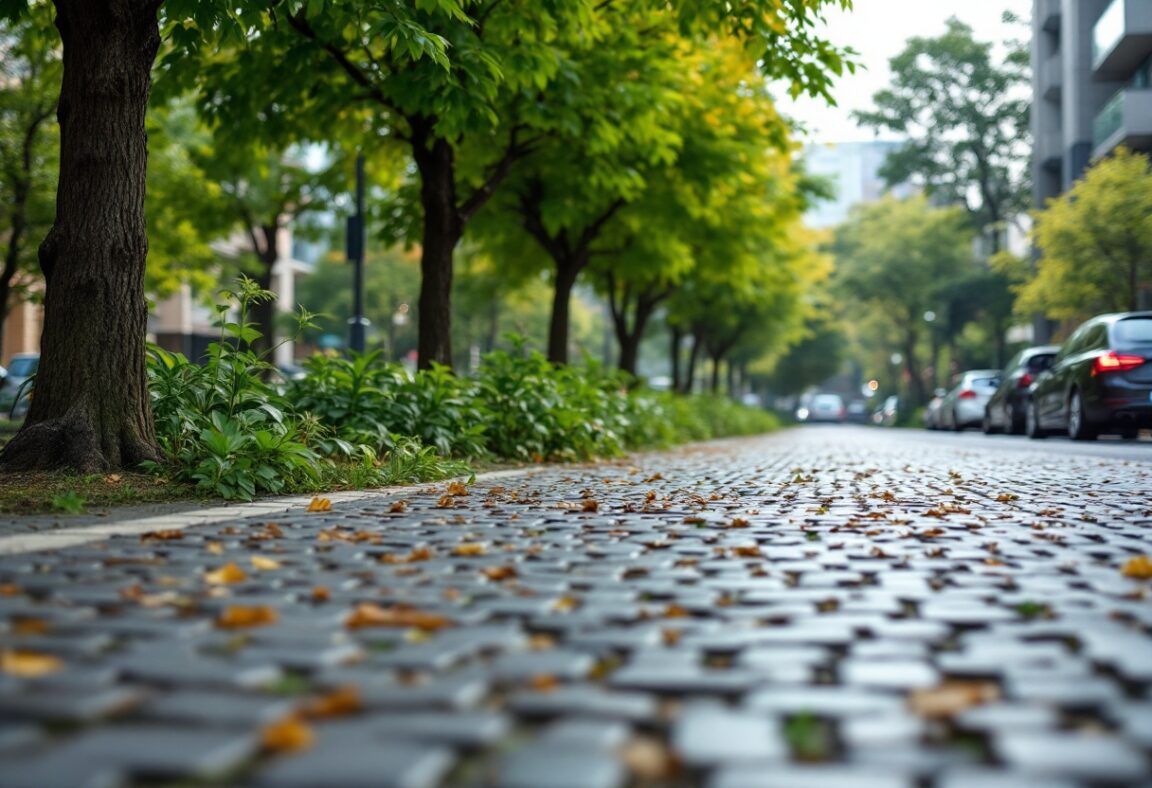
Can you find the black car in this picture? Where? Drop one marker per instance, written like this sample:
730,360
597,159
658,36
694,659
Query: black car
1100,381
1005,409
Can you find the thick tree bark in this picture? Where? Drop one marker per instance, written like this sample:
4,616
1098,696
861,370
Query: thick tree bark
443,229
566,272
264,312
91,410
675,335
690,374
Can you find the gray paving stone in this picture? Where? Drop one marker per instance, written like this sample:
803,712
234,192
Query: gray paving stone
154,751
70,705
215,709
1065,755
561,663
560,765
711,736
349,764
888,674
586,734
51,771
16,736
772,774
586,700
825,701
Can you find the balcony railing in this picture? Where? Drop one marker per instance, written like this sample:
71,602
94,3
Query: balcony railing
1109,120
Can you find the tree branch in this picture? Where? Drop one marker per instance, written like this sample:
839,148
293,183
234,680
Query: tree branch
514,151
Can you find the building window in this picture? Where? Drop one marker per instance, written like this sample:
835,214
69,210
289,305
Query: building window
1143,76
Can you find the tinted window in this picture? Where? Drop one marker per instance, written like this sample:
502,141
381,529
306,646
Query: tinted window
984,383
1074,344
1097,339
23,367
1040,362
1133,331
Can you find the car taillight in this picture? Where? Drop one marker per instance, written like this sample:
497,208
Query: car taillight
967,394
1025,381
1115,362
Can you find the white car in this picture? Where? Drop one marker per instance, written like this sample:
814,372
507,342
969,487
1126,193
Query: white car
822,407
963,406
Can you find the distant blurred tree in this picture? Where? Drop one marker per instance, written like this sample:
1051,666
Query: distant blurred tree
30,70
1096,242
813,359
891,258
966,119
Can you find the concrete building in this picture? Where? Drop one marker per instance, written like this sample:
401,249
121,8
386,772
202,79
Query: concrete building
1091,84
854,169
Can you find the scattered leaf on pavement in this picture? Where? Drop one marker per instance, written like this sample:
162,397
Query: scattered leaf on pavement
340,702
543,682
470,548
649,759
29,664
164,535
319,505
457,488
1138,568
260,562
229,573
952,697
498,573
369,614
243,616
290,734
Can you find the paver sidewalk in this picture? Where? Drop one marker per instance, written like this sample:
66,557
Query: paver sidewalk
844,608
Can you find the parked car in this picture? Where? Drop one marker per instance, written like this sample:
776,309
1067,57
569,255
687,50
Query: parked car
16,388
1005,410
856,412
1099,382
822,407
888,413
932,409
963,405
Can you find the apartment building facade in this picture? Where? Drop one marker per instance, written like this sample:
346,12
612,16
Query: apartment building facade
1091,84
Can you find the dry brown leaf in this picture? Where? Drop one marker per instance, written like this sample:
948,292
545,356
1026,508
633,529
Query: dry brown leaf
215,548
670,637
446,502
649,759
321,594
1006,497
260,562
164,535
457,488
470,548
541,642
590,505
746,551
675,611
656,477
29,664
369,614
29,626
1138,568
9,589
952,697
113,478
398,507
543,682
566,604
931,533
290,734
229,573
498,573
340,702
243,616
319,505
738,522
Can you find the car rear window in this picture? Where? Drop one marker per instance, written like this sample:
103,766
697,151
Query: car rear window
827,401
23,367
1040,361
985,383
1133,331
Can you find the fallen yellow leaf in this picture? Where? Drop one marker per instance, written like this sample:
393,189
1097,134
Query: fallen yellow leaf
498,573
952,697
650,760
320,594
242,616
165,535
470,548
29,626
398,507
9,589
260,562
457,488
229,573
369,614
29,664
341,702
320,505
290,734
543,682
1138,568
215,548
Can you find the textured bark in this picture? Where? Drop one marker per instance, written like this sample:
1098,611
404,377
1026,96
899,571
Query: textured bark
566,273
442,231
264,312
675,336
90,410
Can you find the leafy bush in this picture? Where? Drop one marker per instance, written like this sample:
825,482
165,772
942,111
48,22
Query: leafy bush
224,427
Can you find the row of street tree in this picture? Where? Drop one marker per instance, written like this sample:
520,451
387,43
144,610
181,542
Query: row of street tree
629,145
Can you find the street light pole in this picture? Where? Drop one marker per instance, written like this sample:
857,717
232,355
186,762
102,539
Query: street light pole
357,324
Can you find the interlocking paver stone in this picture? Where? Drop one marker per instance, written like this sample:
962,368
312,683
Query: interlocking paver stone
745,606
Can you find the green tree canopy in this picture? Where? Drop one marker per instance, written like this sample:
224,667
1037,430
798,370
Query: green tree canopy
1095,242
965,114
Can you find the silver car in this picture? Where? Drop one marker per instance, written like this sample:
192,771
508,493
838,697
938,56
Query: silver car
963,405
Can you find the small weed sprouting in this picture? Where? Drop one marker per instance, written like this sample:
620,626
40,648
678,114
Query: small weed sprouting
69,502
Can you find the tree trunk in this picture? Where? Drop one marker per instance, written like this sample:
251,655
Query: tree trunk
264,312
442,231
674,355
714,384
566,273
690,373
91,410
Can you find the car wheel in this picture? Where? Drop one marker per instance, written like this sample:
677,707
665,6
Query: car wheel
1130,435
1032,426
1078,427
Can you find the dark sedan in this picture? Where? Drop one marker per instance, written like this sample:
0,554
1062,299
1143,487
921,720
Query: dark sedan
1005,409
1099,382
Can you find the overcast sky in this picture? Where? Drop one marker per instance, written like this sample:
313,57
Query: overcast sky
878,30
